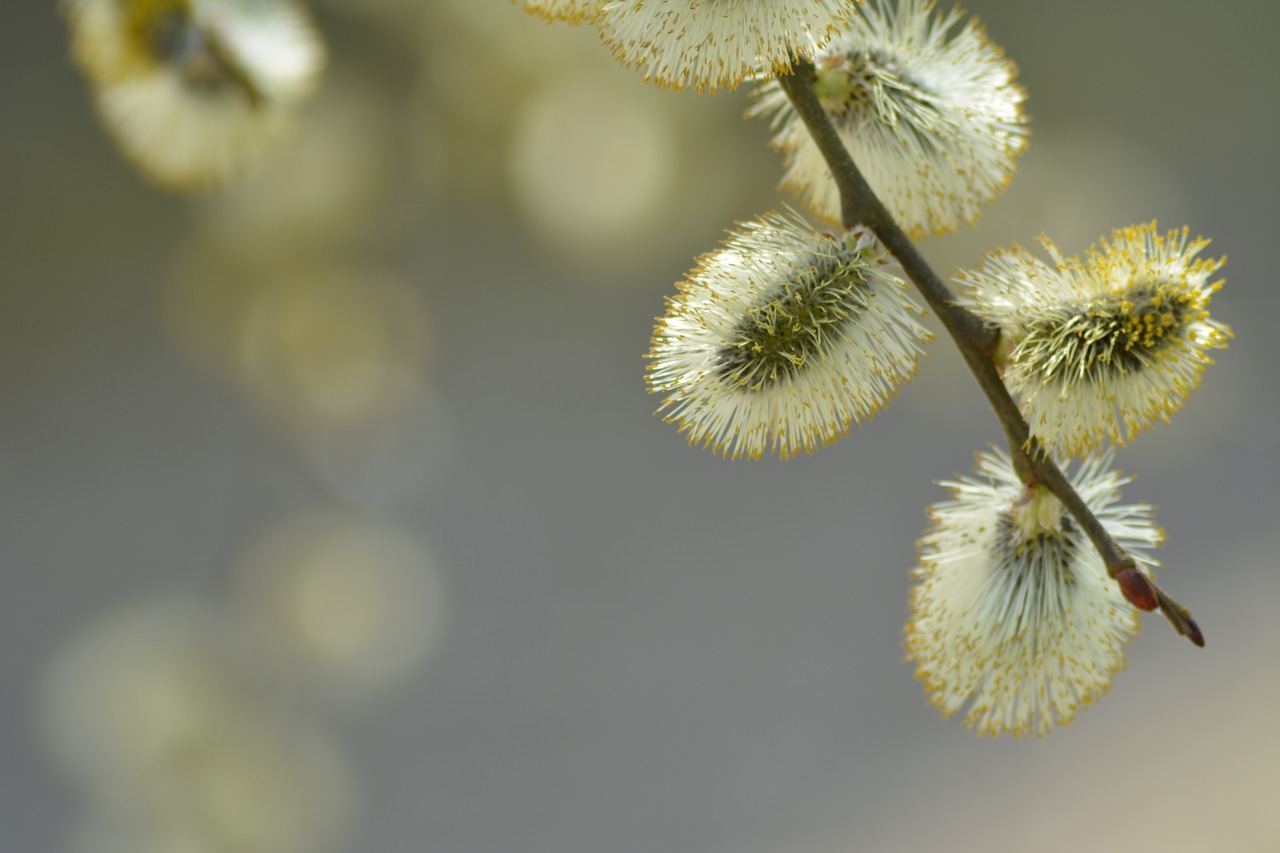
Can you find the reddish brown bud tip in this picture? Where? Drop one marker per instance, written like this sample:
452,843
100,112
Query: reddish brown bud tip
1139,591
1193,632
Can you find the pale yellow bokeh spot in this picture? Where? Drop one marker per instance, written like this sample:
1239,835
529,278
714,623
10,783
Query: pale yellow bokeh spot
348,605
160,715
589,163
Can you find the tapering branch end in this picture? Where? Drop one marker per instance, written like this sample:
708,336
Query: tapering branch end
1180,618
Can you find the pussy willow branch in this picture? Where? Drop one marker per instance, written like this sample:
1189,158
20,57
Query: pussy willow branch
975,339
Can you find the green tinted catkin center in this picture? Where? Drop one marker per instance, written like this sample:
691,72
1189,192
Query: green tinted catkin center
1122,334
794,323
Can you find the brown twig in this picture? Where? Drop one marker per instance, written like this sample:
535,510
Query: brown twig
859,206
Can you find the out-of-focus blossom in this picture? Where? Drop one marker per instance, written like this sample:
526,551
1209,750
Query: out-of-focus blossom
196,91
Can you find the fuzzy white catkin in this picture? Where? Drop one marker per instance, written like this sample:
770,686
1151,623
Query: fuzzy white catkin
1014,619
783,338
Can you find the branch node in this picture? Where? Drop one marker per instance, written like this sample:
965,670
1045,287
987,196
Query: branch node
979,343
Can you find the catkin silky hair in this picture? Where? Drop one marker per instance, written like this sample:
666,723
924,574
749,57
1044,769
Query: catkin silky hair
782,339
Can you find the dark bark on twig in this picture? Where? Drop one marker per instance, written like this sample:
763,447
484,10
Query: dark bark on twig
976,340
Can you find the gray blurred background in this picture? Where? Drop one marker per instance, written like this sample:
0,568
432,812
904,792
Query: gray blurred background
335,516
